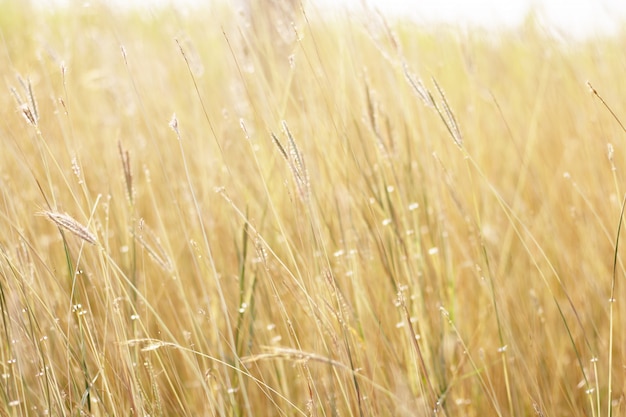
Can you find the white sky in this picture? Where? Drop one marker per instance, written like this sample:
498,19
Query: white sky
574,17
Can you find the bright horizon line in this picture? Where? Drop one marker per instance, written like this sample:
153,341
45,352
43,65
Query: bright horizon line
576,18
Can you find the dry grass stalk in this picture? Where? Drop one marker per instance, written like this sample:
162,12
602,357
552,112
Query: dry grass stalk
65,221
476,241
606,106
294,355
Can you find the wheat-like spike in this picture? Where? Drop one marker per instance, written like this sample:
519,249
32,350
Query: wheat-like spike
28,114
243,127
452,125
261,251
173,124
17,97
155,251
294,152
65,221
123,51
76,169
293,149
128,173
295,161
280,147
418,87
22,82
32,101
371,113
27,107
297,165
373,119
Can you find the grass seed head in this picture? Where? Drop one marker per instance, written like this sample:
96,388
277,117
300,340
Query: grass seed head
70,224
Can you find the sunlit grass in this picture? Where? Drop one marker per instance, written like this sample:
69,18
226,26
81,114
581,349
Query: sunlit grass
345,216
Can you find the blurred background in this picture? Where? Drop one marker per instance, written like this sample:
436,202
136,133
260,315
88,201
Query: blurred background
579,18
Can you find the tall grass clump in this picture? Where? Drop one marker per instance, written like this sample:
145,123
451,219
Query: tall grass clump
279,212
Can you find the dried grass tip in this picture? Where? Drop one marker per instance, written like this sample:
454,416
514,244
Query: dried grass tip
68,223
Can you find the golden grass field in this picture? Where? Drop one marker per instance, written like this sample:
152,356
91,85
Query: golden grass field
350,216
